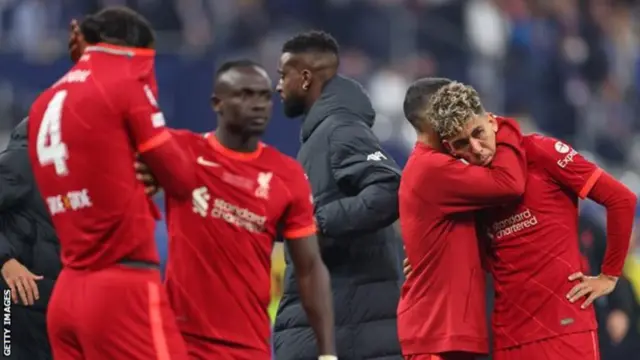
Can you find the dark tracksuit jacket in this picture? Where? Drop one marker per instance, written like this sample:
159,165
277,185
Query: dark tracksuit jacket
27,235
355,189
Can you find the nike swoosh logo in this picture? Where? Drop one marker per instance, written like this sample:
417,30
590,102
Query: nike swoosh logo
208,163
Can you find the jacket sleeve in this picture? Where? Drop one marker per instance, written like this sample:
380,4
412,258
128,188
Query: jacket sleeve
462,187
16,181
16,178
9,249
367,176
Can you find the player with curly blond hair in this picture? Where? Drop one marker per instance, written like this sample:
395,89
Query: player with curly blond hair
531,244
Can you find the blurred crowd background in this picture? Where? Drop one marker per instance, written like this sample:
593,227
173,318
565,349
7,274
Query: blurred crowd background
567,68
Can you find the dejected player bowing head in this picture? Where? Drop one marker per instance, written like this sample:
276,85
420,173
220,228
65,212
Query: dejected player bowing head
531,248
118,26
113,25
308,60
104,110
466,129
242,98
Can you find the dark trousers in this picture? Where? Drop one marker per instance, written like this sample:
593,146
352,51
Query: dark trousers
28,335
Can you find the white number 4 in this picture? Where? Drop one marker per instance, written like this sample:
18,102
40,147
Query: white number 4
53,151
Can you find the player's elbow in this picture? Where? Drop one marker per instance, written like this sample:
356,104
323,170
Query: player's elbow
628,200
178,186
518,188
620,196
513,188
172,169
313,266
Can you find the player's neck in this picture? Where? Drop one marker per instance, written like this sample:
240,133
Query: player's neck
429,140
235,142
314,95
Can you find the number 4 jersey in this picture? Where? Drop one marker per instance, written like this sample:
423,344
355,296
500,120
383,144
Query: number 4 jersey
218,274
84,133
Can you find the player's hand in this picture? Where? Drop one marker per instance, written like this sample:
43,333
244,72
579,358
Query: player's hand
592,287
406,268
144,175
76,43
21,282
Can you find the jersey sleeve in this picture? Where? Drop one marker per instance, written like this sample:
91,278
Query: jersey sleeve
170,163
144,118
565,164
461,187
299,220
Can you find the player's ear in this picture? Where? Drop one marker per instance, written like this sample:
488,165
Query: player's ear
306,79
447,147
216,103
493,122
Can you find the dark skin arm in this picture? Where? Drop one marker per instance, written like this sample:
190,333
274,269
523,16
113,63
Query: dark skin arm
144,175
315,290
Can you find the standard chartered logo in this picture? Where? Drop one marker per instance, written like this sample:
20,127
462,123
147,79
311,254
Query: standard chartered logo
223,210
201,199
514,224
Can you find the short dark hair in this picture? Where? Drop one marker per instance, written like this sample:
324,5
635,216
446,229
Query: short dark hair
418,95
310,41
235,64
118,25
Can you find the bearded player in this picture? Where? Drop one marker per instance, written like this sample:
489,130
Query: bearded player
218,271
533,251
84,133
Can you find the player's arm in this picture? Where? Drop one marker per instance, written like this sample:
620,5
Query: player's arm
16,181
312,275
620,203
368,175
570,169
158,149
462,187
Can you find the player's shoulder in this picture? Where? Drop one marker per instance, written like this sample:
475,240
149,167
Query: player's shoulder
538,146
425,161
186,134
112,70
280,163
189,139
429,159
40,104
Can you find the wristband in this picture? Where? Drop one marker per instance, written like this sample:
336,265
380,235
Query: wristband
327,357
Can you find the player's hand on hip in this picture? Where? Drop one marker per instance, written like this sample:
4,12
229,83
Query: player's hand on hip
406,267
591,287
144,175
21,281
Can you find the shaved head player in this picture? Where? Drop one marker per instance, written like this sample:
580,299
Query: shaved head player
248,193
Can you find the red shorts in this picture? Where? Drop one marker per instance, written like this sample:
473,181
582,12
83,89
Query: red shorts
444,356
204,349
581,346
115,313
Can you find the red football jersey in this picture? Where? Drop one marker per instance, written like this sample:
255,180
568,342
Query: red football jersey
219,269
534,247
442,306
84,132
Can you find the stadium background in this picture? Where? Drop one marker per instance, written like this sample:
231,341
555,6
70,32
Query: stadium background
567,68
